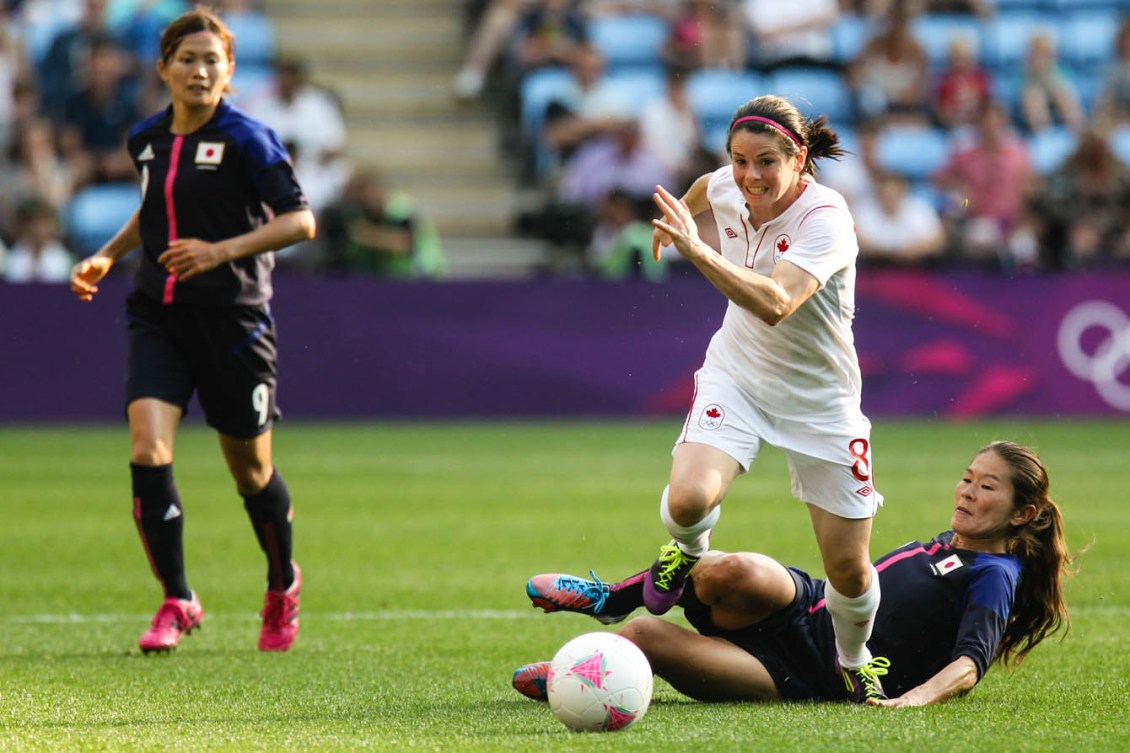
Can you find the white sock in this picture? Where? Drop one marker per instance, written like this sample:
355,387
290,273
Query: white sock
693,539
853,619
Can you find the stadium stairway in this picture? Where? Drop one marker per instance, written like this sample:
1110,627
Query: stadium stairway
392,63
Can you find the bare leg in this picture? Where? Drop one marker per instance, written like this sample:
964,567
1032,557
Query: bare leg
706,669
742,589
852,591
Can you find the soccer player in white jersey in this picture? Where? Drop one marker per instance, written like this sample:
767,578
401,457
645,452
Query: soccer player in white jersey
782,370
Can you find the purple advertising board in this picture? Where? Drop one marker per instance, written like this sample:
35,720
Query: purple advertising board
944,345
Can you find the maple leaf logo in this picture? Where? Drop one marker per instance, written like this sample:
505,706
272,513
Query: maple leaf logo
712,417
783,245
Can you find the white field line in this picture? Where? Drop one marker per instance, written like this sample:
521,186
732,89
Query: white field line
390,615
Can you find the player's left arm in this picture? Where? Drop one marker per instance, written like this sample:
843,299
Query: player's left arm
956,678
187,257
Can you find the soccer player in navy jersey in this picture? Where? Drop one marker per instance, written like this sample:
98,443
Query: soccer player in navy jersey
988,589
218,196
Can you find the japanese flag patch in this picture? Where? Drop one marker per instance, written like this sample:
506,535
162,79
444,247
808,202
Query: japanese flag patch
209,153
948,565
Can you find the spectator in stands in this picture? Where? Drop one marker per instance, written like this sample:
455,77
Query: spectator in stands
1048,96
1085,207
38,255
706,34
670,128
35,169
616,160
548,34
97,117
854,176
963,85
986,180
621,241
374,230
63,71
1112,105
309,119
881,8
14,67
793,33
592,107
494,28
890,75
896,227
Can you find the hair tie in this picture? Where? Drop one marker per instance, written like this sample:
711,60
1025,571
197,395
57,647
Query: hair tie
771,123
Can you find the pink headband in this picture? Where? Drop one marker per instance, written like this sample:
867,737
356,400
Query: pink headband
771,123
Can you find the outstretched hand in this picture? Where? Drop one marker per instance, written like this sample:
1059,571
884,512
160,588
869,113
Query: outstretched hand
677,226
86,274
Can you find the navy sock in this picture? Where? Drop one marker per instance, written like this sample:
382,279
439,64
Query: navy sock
160,522
270,514
625,596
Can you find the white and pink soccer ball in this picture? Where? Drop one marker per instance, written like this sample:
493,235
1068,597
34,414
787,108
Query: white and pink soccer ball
599,682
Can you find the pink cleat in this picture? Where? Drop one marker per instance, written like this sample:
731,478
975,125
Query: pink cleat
280,616
176,616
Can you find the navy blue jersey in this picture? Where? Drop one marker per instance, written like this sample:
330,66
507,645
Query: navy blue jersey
940,603
225,179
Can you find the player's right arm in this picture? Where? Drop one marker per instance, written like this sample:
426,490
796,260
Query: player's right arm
956,678
86,274
696,203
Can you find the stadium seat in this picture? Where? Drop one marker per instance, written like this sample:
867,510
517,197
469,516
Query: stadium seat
715,94
814,91
916,152
96,212
629,39
1028,5
936,32
255,38
250,81
1050,147
1088,38
1007,36
1120,143
849,35
537,90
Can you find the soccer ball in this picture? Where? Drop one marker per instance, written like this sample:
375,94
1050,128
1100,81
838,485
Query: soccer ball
599,682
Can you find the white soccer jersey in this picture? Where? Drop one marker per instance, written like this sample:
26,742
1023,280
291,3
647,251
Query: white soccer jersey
805,368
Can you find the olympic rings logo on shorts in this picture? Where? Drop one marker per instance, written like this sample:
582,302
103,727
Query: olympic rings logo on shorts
1109,358
712,417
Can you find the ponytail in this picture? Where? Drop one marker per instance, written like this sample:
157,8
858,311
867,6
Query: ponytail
1038,609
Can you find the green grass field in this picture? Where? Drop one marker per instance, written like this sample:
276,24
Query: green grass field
416,541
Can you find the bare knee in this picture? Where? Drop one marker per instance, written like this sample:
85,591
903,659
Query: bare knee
250,479
717,575
645,632
849,576
688,503
151,452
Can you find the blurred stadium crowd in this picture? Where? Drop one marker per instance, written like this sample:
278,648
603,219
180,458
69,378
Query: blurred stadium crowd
990,133
983,133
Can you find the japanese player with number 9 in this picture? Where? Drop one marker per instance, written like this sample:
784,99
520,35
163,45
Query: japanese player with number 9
198,317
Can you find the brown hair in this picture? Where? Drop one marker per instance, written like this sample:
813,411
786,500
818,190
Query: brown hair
1038,609
814,133
193,22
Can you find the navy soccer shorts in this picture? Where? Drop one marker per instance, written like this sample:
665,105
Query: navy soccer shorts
226,354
